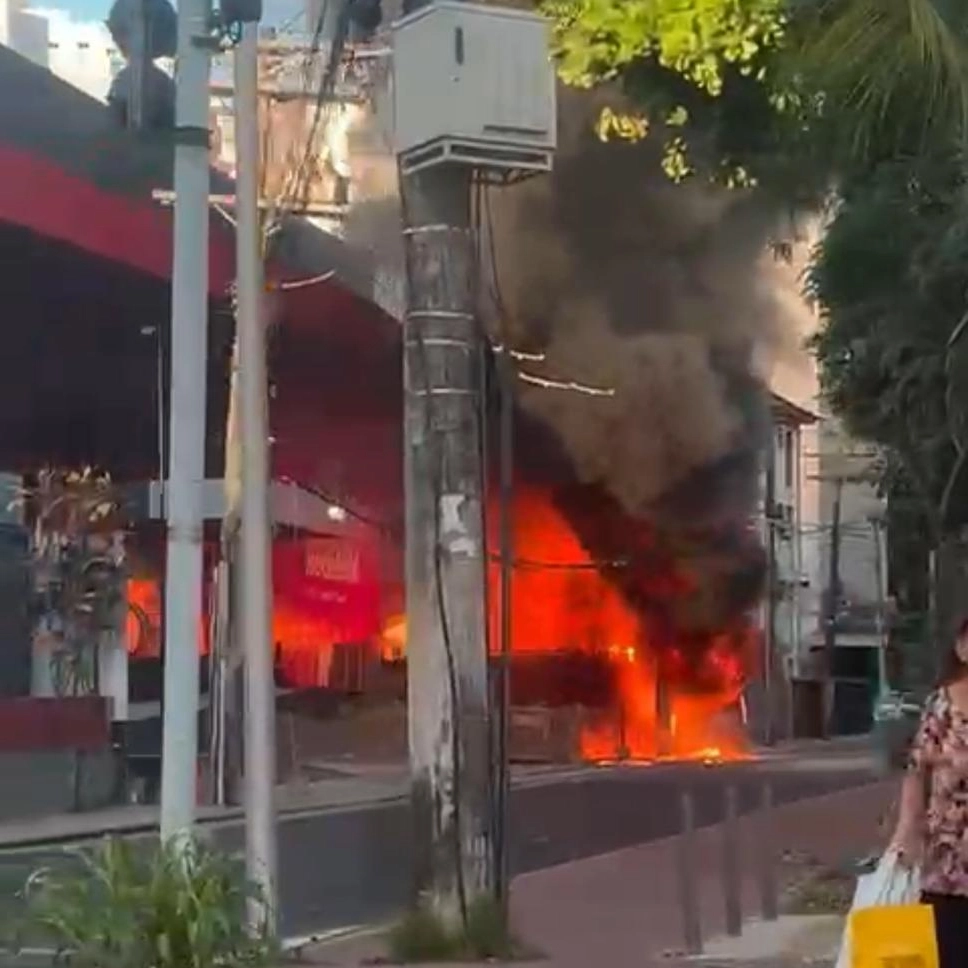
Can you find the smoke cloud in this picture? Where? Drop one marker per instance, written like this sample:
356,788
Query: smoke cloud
660,295
656,293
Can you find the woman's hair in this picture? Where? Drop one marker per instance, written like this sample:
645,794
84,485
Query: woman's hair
954,667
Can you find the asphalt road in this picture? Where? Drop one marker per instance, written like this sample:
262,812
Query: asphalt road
352,867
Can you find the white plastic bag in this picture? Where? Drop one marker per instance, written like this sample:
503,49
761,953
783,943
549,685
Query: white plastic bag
890,883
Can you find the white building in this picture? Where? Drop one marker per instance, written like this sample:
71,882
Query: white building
24,31
79,52
783,531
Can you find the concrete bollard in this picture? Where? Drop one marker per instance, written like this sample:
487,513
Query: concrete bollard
732,889
688,894
766,853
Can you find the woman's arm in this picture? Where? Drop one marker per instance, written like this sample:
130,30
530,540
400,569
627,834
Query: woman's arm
909,833
910,821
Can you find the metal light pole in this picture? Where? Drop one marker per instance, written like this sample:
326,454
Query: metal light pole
186,467
255,579
880,578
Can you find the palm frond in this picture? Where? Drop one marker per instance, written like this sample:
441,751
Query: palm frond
896,71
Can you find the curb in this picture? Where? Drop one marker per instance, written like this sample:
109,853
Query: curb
141,828
235,815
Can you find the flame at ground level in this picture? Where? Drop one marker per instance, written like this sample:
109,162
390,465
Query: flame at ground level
657,720
671,698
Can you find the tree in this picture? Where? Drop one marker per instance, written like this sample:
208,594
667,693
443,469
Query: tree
702,75
893,357
893,74
890,279
775,90
867,97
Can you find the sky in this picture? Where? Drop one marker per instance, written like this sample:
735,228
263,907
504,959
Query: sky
78,48
80,41
89,12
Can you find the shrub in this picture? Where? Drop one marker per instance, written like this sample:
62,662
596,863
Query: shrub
422,937
126,906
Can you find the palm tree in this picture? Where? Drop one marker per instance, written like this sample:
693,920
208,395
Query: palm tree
895,73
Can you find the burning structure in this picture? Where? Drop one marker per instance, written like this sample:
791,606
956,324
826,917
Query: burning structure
641,420
638,310
641,307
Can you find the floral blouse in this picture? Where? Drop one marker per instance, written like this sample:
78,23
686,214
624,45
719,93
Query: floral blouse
940,755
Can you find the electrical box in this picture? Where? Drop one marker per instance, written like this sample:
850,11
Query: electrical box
473,84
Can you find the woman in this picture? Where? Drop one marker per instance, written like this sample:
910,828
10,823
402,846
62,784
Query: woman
933,824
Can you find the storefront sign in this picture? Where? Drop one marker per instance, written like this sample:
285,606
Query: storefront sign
331,559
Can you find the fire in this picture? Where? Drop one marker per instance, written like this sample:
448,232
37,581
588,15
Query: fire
676,686
671,721
393,639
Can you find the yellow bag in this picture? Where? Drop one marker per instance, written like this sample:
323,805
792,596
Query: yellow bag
900,936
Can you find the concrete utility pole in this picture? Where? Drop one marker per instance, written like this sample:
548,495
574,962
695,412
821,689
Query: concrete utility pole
445,568
186,468
769,631
255,579
833,601
502,766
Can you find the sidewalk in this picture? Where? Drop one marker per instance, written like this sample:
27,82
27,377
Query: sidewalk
621,910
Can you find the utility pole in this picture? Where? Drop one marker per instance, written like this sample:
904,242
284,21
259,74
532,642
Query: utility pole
833,602
255,579
445,569
447,652
138,61
769,631
186,467
502,817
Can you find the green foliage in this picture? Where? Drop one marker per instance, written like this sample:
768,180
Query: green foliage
166,907
890,276
774,91
893,73
597,39
422,937
692,68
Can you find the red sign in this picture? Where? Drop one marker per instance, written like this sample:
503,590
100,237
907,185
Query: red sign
332,559
330,581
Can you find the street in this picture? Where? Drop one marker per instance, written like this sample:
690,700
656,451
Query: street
344,867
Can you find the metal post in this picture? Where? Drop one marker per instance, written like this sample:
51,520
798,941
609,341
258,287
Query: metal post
731,879
255,579
189,357
138,60
880,579
764,840
833,607
688,894
663,711
769,631
445,570
506,459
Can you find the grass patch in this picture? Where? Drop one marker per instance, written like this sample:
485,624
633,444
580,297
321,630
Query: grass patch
421,937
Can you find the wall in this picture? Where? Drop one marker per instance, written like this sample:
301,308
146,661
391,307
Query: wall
24,31
42,783
791,372
841,456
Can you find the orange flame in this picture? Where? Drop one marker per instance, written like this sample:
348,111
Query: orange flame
561,602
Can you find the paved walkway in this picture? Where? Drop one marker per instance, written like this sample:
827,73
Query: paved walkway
346,785
620,910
